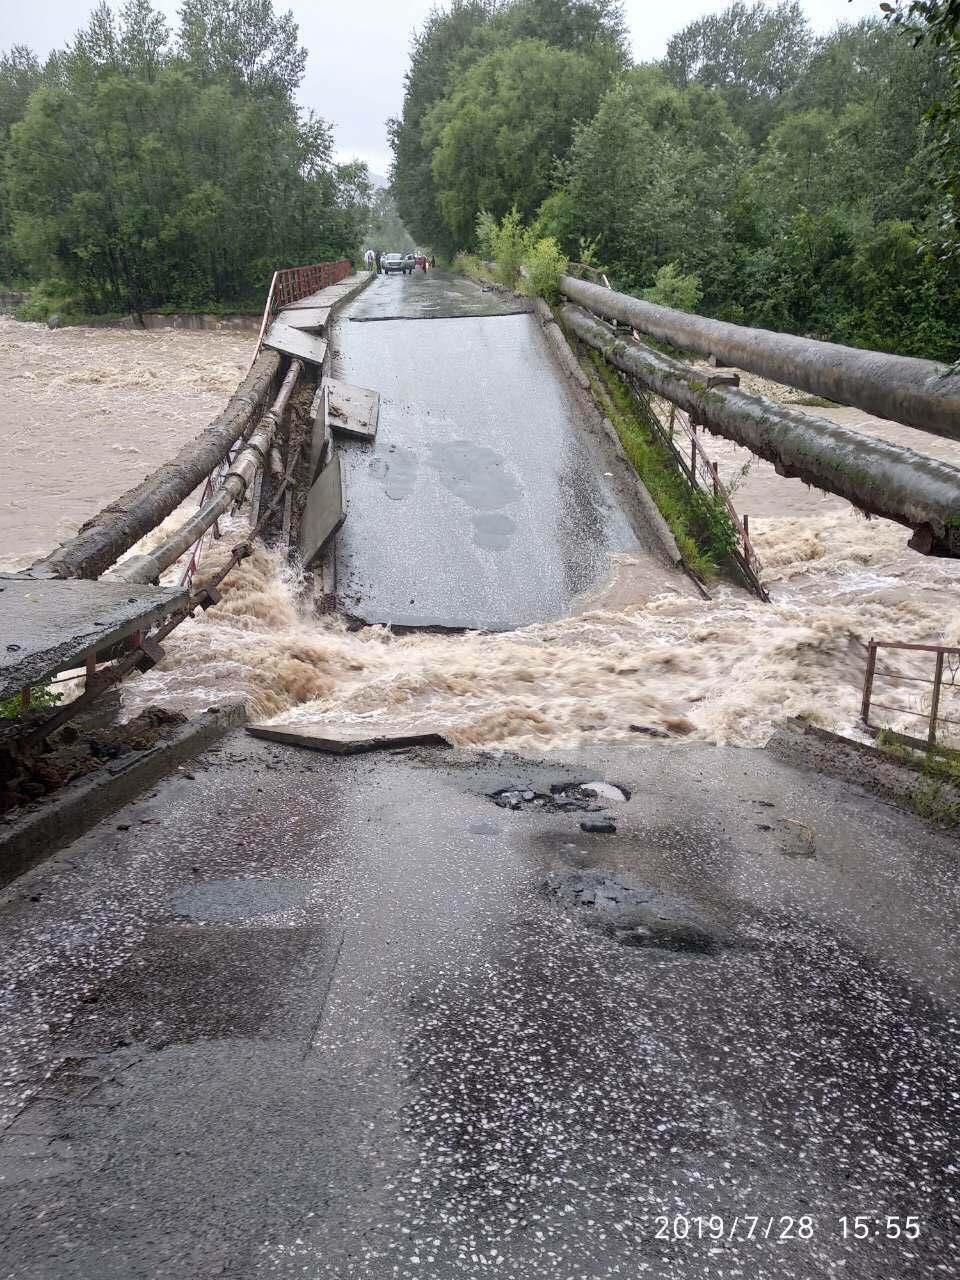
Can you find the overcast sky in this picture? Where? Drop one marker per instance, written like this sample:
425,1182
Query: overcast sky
358,49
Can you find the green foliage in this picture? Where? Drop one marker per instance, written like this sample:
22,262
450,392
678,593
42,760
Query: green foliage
671,288
41,696
698,522
141,172
509,243
543,265
472,136
496,132
936,24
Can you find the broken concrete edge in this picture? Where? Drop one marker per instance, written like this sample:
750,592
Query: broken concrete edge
864,765
344,746
31,835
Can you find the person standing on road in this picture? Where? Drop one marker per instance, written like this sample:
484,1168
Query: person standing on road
379,260
369,258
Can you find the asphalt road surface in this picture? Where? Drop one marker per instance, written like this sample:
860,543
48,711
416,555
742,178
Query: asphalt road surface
293,1016
484,502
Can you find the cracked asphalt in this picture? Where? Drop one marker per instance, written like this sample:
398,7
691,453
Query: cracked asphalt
290,1015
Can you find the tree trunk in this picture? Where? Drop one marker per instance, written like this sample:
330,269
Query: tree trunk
883,479
105,537
918,393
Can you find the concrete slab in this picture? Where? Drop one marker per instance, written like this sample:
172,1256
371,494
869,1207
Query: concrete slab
352,411
343,740
324,513
484,500
295,342
301,317
49,624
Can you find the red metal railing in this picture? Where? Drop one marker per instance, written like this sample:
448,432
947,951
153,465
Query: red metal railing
293,283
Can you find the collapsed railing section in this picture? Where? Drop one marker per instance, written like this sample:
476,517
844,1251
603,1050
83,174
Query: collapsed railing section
692,460
944,679
679,434
225,459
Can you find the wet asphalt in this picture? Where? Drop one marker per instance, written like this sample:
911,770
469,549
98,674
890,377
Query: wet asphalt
299,1016
483,502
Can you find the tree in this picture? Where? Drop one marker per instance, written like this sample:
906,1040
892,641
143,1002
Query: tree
136,177
937,22
243,42
444,42
752,54
496,136
653,179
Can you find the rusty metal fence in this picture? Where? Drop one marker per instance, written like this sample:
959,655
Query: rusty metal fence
933,686
291,284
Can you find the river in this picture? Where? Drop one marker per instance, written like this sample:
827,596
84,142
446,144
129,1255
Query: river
115,403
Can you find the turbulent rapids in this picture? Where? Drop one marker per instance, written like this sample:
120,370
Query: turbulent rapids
725,670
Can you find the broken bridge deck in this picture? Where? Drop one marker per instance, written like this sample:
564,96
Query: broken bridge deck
50,624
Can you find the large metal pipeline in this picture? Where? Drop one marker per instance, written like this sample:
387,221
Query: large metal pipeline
148,567
880,478
918,393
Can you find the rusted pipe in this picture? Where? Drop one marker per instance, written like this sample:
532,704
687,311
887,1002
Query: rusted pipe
918,393
148,567
880,478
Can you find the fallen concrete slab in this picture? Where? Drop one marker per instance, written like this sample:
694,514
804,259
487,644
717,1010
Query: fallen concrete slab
346,740
295,342
300,317
324,513
352,411
50,624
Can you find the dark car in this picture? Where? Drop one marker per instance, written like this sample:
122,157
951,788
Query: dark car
393,262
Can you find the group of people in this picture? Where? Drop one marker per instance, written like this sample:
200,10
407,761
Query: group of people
374,261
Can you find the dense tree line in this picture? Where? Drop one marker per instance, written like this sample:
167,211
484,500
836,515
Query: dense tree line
792,181
143,167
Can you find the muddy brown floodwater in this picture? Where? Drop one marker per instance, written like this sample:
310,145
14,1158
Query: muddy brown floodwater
727,670
86,413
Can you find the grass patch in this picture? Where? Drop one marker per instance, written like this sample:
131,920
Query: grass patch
468,264
935,796
812,402
700,524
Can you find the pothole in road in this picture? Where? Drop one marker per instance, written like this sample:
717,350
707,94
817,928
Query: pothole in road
635,915
563,797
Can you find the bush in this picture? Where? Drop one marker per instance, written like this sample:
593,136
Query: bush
673,289
543,265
